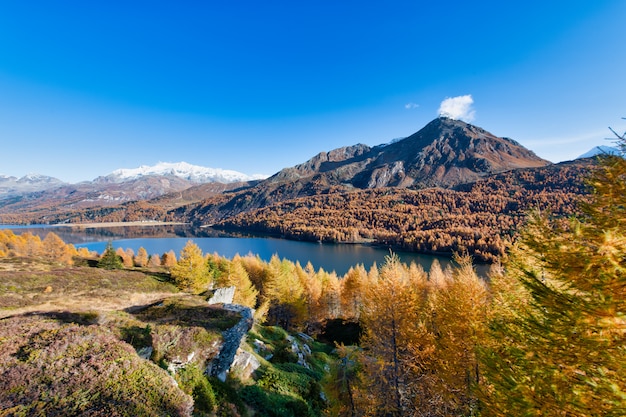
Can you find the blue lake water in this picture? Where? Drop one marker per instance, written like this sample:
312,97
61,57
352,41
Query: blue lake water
159,240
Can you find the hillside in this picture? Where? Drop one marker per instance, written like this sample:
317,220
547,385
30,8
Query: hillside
480,217
78,340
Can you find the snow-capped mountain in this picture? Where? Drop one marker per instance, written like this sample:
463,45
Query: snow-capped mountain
27,183
193,173
600,150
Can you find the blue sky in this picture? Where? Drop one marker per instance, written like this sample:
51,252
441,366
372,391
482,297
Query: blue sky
87,87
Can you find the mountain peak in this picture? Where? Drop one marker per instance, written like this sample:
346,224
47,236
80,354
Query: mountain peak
184,170
444,153
447,152
600,150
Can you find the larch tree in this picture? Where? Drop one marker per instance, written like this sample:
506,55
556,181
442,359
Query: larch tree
141,258
396,342
189,273
285,294
227,273
352,288
126,256
55,249
312,293
168,260
458,320
559,348
154,261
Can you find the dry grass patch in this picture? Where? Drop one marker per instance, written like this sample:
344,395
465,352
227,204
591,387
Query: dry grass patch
33,285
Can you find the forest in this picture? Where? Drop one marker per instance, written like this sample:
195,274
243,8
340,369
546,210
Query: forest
544,335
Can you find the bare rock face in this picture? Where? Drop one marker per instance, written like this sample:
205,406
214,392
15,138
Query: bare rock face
244,364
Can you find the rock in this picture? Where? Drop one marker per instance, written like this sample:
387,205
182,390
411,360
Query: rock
300,352
222,296
305,337
178,363
145,352
232,340
245,363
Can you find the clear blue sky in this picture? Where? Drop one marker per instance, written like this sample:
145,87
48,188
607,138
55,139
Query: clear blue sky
87,87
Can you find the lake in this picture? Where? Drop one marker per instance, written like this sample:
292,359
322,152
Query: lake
162,239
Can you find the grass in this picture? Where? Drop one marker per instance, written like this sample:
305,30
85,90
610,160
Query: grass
26,284
281,387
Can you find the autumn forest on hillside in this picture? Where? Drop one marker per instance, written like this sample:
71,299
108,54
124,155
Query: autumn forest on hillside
544,335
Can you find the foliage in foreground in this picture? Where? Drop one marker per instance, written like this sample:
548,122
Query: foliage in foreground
558,330
53,366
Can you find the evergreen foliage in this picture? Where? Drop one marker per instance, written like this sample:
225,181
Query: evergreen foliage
557,343
110,259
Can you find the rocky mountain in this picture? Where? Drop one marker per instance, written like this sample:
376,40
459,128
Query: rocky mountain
40,193
445,153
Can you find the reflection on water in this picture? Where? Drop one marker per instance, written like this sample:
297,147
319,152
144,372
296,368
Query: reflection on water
83,234
163,238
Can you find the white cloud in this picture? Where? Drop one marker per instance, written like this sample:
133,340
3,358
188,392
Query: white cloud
410,106
459,108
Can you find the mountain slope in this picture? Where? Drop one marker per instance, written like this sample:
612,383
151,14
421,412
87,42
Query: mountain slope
480,218
444,153
40,194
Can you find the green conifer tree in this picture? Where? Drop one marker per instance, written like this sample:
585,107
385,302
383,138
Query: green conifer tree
110,259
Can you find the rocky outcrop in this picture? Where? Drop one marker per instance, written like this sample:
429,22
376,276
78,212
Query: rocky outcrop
244,363
222,296
232,337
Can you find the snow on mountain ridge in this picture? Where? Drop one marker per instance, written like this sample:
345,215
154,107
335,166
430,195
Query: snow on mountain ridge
183,170
600,150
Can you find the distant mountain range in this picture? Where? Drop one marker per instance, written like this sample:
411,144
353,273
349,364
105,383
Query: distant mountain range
122,185
445,153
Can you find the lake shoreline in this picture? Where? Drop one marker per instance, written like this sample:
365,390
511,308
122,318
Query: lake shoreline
117,224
